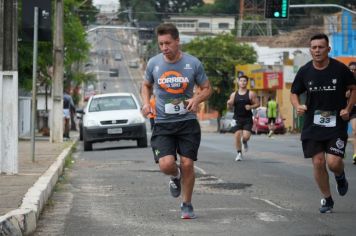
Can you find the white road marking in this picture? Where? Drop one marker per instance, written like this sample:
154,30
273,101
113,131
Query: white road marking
270,217
272,203
200,170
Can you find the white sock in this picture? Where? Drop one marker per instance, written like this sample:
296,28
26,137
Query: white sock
178,175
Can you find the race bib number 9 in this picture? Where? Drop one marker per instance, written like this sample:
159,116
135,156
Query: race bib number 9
325,118
171,108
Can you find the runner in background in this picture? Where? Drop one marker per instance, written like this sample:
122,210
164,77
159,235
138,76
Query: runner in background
272,108
352,67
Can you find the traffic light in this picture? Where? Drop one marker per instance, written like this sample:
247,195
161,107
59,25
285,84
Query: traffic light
277,9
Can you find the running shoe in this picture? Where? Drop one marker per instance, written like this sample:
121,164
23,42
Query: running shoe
238,156
342,184
187,211
326,207
174,187
354,159
270,133
245,146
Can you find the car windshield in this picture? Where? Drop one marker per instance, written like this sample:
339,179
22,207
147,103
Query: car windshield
229,115
112,103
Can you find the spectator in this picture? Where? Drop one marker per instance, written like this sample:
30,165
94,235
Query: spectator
68,107
272,108
352,67
152,115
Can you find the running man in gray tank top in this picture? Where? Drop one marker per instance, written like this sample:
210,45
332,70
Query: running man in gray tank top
173,76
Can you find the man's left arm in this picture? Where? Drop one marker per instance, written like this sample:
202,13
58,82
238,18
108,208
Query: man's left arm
203,94
254,101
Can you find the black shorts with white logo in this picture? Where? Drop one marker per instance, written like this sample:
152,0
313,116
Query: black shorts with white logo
335,146
182,137
243,123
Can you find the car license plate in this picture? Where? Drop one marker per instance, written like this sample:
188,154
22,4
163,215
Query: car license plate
115,131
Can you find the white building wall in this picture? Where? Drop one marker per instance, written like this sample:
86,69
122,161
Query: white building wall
191,24
274,56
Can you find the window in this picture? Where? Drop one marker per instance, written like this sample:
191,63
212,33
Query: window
223,25
112,103
204,25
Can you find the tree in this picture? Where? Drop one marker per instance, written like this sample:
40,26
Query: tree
158,9
219,56
87,12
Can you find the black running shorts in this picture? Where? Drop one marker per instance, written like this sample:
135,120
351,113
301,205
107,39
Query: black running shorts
244,123
182,137
271,120
335,146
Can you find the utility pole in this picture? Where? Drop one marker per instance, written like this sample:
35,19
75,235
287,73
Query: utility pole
56,134
254,25
8,87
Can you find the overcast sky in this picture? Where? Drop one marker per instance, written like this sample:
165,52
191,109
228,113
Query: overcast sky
96,2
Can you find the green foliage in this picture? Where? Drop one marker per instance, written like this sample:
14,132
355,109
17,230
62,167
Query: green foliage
219,56
151,10
75,44
87,12
144,11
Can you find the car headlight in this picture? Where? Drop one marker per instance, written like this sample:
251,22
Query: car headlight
137,120
90,123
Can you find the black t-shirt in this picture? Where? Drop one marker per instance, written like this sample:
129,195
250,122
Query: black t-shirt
325,98
240,101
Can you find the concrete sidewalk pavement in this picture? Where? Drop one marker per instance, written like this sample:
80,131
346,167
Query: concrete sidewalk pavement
23,196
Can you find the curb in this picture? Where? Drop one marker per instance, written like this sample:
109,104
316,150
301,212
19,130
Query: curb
23,221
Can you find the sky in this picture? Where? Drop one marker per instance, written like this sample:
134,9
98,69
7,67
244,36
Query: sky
96,2
107,5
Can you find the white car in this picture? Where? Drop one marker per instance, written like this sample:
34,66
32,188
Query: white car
117,57
112,117
227,122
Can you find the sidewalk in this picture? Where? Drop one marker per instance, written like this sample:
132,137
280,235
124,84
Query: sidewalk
23,196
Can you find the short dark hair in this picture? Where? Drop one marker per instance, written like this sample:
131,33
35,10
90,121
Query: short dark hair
353,63
167,28
320,36
243,76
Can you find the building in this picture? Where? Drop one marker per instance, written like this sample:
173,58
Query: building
203,24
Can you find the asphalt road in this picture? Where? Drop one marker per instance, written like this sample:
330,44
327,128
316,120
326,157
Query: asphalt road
116,189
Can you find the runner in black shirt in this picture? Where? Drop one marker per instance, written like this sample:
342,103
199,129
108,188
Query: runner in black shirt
326,112
243,101
352,67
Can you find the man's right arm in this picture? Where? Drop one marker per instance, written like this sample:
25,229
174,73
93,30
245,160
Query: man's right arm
230,102
294,99
146,92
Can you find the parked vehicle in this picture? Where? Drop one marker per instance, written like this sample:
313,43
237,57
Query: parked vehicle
112,117
260,122
133,64
114,73
227,122
117,57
